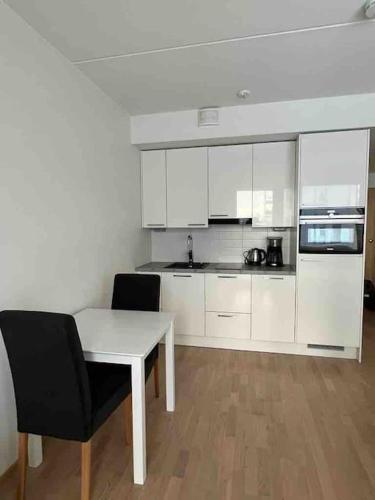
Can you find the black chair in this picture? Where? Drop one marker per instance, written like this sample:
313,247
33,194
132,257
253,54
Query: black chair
140,292
57,392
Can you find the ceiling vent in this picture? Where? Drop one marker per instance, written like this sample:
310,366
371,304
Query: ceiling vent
208,117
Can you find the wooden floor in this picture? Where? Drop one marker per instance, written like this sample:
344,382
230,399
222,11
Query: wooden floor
246,426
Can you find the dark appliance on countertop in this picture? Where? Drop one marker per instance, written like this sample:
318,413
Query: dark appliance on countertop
254,257
274,256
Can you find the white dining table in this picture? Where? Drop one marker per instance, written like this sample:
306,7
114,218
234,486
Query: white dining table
126,337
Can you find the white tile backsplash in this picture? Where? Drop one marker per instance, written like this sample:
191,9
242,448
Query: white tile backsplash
217,243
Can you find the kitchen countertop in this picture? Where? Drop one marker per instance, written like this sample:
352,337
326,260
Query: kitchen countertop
218,268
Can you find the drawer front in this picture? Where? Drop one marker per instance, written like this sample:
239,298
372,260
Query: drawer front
228,292
228,325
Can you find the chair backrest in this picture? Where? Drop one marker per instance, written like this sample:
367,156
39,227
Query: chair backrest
136,292
49,373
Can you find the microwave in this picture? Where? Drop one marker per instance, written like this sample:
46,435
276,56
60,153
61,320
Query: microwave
331,231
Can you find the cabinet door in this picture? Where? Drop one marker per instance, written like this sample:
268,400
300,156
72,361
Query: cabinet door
230,181
329,300
333,169
228,292
274,167
183,294
154,189
228,325
273,302
187,196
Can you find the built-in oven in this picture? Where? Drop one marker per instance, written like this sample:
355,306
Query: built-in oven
331,231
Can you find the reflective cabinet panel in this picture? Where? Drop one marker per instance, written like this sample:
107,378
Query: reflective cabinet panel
274,170
333,169
230,173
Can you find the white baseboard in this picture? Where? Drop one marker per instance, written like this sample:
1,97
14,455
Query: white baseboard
258,346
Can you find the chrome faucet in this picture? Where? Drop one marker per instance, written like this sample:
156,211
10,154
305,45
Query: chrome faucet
190,250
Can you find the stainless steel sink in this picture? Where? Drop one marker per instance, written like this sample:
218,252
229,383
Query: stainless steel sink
185,265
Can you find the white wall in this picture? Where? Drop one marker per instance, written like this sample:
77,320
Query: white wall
277,121
69,191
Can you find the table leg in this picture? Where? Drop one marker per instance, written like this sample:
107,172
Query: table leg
139,421
35,450
169,368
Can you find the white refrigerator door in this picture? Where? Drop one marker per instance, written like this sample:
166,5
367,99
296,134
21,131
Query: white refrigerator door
330,300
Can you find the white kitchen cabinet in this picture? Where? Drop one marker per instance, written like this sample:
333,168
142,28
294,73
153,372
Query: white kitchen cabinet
274,170
273,308
154,189
329,300
187,191
333,169
183,294
228,325
228,292
230,181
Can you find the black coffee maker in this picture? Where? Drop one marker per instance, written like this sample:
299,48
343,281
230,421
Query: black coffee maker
274,252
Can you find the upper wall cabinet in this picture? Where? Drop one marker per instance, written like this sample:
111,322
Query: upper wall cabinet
230,181
187,187
274,168
333,169
154,189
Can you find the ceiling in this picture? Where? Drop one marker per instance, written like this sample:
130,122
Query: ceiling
166,55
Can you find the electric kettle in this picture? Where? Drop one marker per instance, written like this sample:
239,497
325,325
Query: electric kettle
254,257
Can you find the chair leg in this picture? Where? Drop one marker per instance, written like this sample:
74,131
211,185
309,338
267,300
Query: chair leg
23,451
128,414
85,470
156,377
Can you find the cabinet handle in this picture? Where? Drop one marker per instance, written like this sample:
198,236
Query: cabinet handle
228,277
156,225
219,215
182,276
311,260
274,278
196,224
225,316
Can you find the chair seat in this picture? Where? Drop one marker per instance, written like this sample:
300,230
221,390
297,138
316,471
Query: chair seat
110,384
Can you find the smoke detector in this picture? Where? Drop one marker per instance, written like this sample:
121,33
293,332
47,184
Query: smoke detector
244,93
208,117
370,8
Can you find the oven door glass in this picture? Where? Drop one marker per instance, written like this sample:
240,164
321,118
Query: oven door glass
331,237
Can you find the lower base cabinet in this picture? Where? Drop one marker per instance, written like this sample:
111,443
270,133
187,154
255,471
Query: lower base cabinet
273,308
329,302
183,294
228,325
269,302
